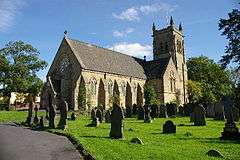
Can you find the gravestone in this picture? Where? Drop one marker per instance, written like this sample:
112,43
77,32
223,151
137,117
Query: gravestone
199,114
188,108
219,111
99,115
230,131
63,114
108,117
181,110
162,111
117,116
169,127
137,141
147,117
35,119
128,111
235,114
29,117
52,113
134,109
140,115
95,122
154,111
41,124
73,116
171,109
210,113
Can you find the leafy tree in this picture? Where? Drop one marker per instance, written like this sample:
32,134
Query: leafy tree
194,91
231,29
150,95
19,64
214,81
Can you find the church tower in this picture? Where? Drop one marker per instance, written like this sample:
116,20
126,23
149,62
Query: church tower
169,42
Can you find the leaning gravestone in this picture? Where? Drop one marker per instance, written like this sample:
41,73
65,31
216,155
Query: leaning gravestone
235,114
147,117
210,111
230,131
169,127
154,111
199,116
108,117
99,115
140,115
162,111
219,112
116,122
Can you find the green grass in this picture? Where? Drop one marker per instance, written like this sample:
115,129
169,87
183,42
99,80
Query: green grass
179,146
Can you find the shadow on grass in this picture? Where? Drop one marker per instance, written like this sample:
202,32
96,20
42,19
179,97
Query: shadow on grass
211,140
95,137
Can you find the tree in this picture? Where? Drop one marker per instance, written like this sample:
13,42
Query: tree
194,91
150,95
19,65
231,29
214,81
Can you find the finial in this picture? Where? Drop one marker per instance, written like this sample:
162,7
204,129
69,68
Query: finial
153,27
171,21
65,33
180,27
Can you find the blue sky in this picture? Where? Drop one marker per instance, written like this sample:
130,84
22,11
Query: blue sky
123,25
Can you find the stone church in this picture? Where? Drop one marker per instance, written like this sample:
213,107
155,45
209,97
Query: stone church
87,76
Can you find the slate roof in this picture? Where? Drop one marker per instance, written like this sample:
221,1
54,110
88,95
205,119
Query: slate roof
96,58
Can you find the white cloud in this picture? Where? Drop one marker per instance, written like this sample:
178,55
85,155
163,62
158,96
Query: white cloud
133,49
131,14
8,11
134,13
117,33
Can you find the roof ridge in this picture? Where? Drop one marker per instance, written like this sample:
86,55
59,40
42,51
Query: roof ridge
85,43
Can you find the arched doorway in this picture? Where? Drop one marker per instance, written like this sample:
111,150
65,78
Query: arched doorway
128,96
101,94
116,93
139,96
82,95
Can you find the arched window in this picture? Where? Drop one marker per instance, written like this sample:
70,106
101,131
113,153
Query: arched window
93,86
172,81
110,87
123,88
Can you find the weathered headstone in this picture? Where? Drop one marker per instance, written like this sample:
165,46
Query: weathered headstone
154,111
181,110
137,141
235,114
188,108
147,117
162,111
128,112
214,153
29,117
169,127
171,109
99,115
199,115
230,131
108,117
41,124
140,115
95,122
134,109
52,113
210,111
73,116
35,119
116,122
219,111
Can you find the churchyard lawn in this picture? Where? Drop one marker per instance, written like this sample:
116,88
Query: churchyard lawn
190,142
